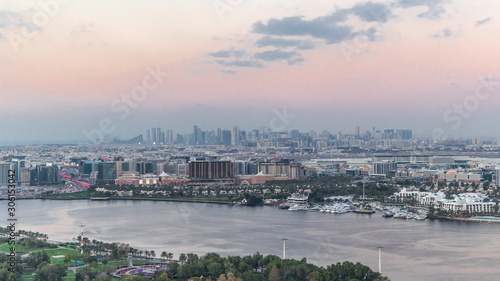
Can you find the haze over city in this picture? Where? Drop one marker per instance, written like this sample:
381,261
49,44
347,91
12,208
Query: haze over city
429,66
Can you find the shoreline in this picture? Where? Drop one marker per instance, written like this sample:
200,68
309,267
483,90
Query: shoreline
482,219
137,199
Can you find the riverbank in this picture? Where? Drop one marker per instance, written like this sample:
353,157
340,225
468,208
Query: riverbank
487,219
82,196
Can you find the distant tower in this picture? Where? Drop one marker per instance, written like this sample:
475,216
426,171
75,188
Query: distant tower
196,136
497,174
380,259
81,237
158,135
357,131
235,136
153,135
284,247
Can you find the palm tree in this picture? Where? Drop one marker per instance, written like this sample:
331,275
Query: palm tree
163,255
152,253
170,256
182,257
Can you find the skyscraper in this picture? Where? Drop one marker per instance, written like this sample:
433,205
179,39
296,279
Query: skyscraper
153,135
235,136
226,137
194,138
158,136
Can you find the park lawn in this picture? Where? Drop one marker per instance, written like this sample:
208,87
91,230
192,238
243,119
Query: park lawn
74,195
27,275
5,247
59,252
70,275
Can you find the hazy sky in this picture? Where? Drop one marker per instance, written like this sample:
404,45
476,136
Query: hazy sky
427,65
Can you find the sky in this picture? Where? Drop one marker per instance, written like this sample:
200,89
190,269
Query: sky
73,68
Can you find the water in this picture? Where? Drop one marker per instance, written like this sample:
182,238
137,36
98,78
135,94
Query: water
427,250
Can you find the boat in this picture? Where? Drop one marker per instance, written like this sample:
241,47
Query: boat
297,199
400,215
421,217
364,210
315,208
298,207
388,214
284,206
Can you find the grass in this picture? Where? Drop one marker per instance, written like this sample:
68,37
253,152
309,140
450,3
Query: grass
59,252
69,196
5,247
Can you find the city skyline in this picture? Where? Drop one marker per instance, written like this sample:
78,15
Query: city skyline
68,66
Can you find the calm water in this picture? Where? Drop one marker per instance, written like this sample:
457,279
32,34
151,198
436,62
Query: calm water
424,250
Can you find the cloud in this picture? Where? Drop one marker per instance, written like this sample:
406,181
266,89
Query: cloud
231,53
277,55
445,33
10,19
325,27
296,32
435,8
241,63
483,21
371,12
234,57
490,79
297,26
226,71
277,42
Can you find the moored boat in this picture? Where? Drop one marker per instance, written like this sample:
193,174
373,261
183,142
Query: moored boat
388,214
364,210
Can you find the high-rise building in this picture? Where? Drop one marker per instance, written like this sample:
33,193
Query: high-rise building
169,137
25,176
4,173
389,134
219,136
159,134
497,174
46,174
235,136
226,137
153,135
383,168
16,166
211,169
106,171
144,167
194,136
404,134
148,136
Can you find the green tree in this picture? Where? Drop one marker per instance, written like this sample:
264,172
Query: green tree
229,277
36,258
50,272
274,275
315,276
162,277
182,257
